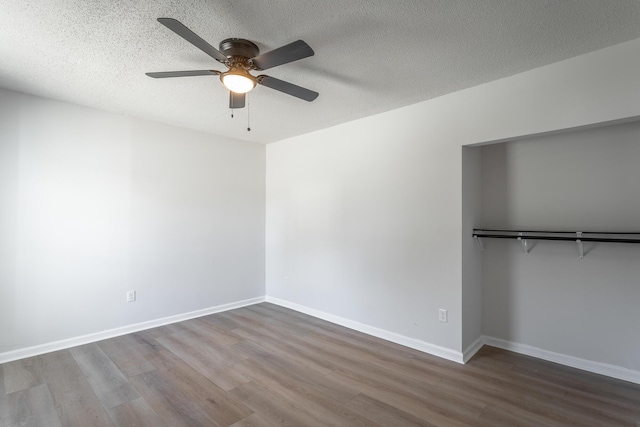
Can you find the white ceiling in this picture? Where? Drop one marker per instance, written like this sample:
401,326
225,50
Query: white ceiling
371,56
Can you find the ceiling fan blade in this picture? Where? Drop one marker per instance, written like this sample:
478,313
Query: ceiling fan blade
236,100
282,55
164,74
288,88
178,28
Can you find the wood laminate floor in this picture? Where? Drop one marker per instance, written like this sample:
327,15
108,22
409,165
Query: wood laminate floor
268,366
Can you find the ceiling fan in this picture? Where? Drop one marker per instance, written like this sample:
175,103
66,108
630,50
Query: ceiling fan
241,56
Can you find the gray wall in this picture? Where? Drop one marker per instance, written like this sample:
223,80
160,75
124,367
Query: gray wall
551,299
95,204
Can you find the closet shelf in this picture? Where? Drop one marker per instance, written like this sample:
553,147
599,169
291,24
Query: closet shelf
575,236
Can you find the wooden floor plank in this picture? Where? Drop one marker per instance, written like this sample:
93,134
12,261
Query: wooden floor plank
246,318
494,416
295,374
32,407
271,407
212,331
270,335
369,362
136,413
187,388
4,403
21,375
293,350
212,362
122,352
490,380
305,395
170,403
145,343
266,366
383,413
295,409
76,403
256,420
221,322
106,380
223,354
431,413
315,347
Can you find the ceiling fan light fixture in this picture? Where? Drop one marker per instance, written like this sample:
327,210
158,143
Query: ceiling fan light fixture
238,80
241,56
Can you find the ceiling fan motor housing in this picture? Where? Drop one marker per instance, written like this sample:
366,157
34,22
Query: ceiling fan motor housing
241,48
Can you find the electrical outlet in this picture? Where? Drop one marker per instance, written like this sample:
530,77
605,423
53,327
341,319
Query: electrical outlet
131,296
286,280
442,315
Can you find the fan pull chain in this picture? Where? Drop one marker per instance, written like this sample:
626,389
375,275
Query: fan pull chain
232,113
248,114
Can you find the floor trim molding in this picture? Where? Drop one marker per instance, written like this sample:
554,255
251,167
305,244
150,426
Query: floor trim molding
473,348
606,369
36,350
423,346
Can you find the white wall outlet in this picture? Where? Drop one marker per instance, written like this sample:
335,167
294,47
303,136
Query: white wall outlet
286,280
442,315
131,296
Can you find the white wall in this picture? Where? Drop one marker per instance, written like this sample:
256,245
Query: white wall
551,299
365,218
471,256
95,204
8,209
355,223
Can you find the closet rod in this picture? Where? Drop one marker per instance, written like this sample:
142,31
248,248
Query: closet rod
585,236
575,236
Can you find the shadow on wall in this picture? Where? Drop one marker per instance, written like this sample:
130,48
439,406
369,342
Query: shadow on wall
498,298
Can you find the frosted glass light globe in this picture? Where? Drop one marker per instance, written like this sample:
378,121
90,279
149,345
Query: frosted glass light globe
238,82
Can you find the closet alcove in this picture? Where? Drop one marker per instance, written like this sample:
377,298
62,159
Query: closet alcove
543,294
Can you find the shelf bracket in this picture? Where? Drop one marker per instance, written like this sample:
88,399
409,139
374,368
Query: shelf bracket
479,242
525,248
580,246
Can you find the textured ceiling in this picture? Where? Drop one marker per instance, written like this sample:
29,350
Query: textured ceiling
371,56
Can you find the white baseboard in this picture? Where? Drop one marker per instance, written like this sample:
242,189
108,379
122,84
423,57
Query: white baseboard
472,349
612,371
446,353
111,333
423,346
606,369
